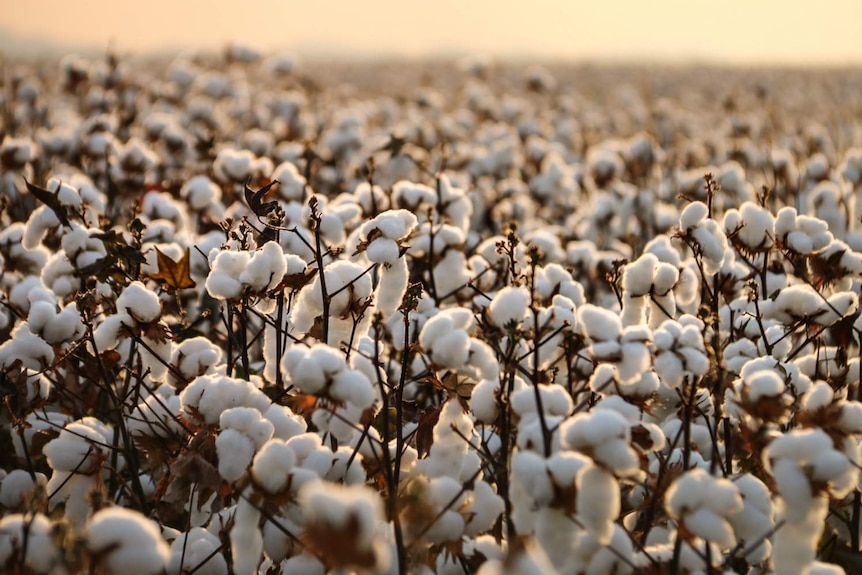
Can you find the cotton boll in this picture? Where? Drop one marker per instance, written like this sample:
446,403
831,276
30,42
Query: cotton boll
693,214
196,550
246,541
599,324
18,487
638,275
235,452
272,466
126,542
27,540
286,424
265,268
208,396
598,501
509,306
140,302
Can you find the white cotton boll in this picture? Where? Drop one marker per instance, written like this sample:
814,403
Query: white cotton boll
692,215
483,509
383,250
665,278
528,469
599,324
352,386
19,486
451,350
764,383
509,306
235,452
140,302
594,428
107,334
757,228
249,422
31,538
710,526
272,466
483,400
126,542
598,501
246,541
712,242
818,397
391,288
265,269
554,397
635,361
209,395
71,450
638,275
196,550
285,423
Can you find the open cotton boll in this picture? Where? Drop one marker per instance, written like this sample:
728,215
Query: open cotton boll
554,398
272,466
265,268
18,487
28,541
702,502
196,551
193,357
509,306
598,501
604,434
345,518
139,302
200,192
246,540
692,215
32,351
599,324
209,395
126,543
638,275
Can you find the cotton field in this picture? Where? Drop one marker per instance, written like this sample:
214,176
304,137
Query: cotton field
262,316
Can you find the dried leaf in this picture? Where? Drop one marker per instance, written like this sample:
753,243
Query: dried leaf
254,199
50,199
176,274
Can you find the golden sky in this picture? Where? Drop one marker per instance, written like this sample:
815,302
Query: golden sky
737,31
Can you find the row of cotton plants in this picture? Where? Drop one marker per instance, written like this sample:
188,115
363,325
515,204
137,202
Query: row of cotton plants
260,320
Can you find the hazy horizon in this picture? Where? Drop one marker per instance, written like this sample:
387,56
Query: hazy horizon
736,32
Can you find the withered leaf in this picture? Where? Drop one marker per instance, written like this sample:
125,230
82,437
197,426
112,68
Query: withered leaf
303,404
393,146
176,274
50,199
425,430
156,331
254,199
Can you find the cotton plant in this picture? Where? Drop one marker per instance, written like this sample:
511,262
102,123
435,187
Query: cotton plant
648,284
346,393
626,349
808,470
75,457
447,343
343,310
27,540
236,274
382,239
706,235
138,315
125,541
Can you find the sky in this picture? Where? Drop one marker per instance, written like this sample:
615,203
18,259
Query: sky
729,31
